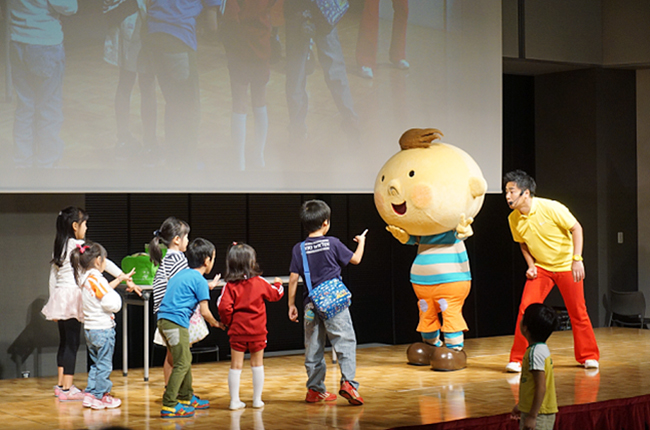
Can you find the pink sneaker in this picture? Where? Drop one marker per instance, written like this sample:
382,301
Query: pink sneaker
57,390
108,402
88,400
73,394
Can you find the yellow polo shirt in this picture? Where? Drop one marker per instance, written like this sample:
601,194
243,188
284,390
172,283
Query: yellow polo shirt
546,232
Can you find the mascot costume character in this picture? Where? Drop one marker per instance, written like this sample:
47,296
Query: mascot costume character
428,194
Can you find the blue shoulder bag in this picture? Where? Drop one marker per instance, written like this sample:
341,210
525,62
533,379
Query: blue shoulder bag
329,297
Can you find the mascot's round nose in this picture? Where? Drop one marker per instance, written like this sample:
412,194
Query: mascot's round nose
394,188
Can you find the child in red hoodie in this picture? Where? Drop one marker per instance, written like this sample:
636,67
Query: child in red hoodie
242,309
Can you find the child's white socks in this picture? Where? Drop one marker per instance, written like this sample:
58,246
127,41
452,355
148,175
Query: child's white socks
258,386
234,376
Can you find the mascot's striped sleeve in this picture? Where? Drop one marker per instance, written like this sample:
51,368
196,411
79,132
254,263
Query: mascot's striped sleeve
441,258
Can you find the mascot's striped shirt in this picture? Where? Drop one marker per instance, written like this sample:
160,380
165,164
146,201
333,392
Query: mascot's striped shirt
442,258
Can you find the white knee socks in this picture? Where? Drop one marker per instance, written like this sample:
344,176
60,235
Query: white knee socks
234,376
258,386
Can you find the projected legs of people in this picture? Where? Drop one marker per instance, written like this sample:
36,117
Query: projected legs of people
37,74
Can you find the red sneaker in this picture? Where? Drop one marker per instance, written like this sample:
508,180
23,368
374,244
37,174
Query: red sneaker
351,394
314,396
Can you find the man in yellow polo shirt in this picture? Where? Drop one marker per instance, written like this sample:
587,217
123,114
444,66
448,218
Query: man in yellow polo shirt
551,241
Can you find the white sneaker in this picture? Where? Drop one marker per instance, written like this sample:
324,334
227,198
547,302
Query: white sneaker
513,367
258,404
591,364
366,72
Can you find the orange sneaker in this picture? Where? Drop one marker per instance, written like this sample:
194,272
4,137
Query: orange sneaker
351,394
314,396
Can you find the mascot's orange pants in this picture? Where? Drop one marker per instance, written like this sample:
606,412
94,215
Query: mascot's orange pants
536,290
451,296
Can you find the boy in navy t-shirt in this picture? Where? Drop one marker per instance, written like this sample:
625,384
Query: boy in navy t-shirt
185,291
326,255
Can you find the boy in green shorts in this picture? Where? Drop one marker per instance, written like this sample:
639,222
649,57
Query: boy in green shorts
185,290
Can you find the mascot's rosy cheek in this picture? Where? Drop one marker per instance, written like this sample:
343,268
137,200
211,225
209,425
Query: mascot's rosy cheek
421,196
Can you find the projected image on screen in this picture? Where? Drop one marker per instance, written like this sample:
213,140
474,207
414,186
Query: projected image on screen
257,96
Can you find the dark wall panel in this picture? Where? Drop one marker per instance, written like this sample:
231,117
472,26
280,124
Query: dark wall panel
221,219
497,271
148,211
370,281
617,138
405,303
518,123
586,158
273,229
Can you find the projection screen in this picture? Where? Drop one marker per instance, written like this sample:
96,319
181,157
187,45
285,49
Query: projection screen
453,83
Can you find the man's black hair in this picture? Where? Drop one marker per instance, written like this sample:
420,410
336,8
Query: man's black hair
523,180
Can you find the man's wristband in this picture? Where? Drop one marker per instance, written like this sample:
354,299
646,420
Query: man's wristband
577,258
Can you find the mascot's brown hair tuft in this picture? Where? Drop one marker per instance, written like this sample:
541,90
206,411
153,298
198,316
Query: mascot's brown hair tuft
419,138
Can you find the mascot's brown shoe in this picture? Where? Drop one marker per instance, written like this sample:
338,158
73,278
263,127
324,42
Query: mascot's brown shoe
444,359
419,353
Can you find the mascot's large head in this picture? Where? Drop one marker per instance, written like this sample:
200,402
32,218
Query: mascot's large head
426,187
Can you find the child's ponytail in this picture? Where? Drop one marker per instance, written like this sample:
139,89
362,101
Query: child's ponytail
65,231
83,257
169,229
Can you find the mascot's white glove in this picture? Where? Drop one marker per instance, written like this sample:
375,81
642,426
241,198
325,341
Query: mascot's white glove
398,233
464,228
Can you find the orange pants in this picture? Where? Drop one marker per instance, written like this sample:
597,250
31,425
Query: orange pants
369,33
454,295
536,290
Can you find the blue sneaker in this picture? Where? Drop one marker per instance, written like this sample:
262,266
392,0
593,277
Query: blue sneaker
179,411
196,403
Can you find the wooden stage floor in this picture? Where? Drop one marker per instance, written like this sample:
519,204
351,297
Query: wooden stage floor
396,394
